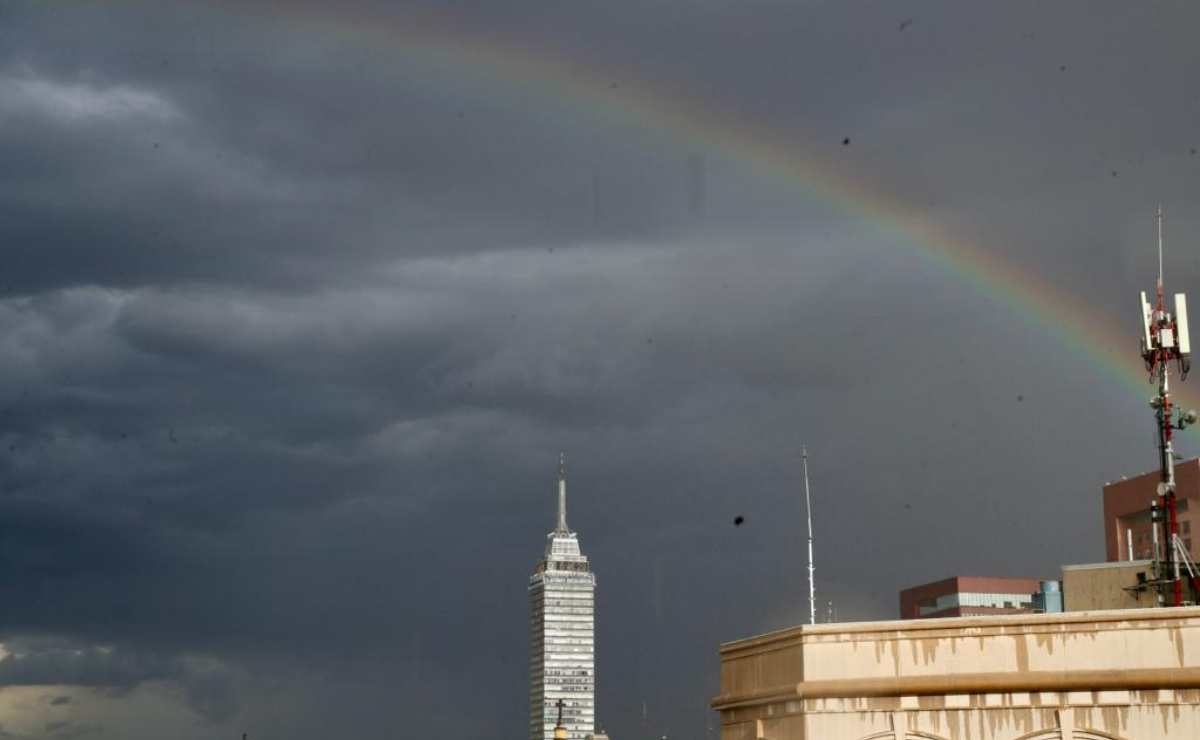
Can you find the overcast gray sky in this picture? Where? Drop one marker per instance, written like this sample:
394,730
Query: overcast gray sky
300,302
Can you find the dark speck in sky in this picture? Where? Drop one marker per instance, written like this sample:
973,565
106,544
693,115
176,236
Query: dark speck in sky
737,520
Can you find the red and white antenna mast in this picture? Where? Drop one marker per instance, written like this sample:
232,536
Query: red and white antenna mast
1165,338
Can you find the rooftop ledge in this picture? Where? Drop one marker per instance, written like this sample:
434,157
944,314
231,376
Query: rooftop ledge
999,624
971,683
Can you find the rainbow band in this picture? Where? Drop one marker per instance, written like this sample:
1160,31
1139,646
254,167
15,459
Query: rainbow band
493,61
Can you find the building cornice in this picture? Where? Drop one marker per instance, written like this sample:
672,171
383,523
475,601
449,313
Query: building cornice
953,627
969,683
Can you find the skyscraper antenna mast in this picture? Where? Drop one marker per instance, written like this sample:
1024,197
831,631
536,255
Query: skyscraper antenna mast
812,592
562,494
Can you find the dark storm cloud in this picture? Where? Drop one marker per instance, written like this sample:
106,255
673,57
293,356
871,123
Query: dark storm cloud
295,319
207,684
375,167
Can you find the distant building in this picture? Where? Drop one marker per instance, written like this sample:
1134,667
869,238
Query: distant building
1127,512
1129,675
1049,598
562,635
966,596
1098,586
1123,585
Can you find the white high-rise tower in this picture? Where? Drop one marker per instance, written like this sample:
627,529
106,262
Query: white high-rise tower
562,658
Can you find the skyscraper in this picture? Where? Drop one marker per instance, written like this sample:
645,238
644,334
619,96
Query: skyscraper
561,633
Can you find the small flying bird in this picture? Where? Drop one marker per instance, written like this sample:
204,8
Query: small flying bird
905,23
737,520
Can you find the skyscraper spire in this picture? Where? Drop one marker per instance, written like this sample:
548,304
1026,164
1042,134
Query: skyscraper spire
562,494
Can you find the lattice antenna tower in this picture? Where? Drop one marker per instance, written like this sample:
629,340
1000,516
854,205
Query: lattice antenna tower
1165,340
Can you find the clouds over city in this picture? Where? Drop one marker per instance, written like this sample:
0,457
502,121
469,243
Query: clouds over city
299,305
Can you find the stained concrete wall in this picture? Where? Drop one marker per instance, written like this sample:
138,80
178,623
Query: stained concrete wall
1129,675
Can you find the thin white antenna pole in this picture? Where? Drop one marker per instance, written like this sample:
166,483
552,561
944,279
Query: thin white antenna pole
812,592
1158,218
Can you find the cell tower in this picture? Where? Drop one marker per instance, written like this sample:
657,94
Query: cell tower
1165,339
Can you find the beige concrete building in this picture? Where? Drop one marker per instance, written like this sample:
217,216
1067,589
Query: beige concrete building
1110,675
1097,586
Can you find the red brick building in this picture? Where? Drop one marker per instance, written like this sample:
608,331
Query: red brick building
968,596
1127,512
